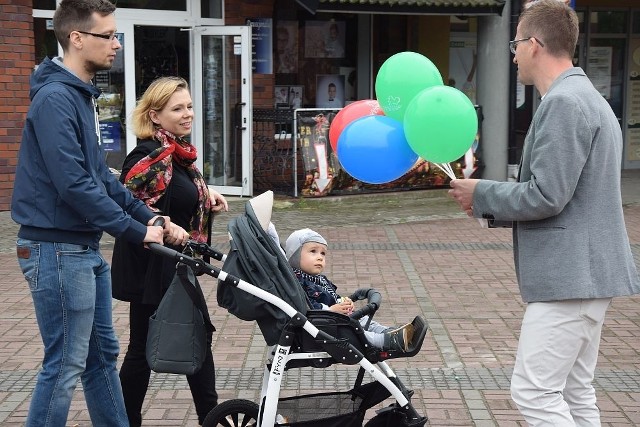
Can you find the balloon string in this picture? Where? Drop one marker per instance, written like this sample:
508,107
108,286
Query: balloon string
452,174
446,168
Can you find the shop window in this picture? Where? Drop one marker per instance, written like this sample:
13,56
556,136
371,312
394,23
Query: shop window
312,52
211,9
605,68
581,22
153,4
111,108
464,24
160,51
46,45
636,23
389,37
44,4
607,22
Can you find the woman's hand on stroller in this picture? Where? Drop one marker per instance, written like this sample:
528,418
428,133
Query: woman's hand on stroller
169,233
175,235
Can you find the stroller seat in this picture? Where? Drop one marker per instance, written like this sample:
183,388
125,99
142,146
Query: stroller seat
348,330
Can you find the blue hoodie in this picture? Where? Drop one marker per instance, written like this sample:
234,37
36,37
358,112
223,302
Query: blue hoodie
63,190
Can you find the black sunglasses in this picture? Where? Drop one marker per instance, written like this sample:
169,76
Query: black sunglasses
513,44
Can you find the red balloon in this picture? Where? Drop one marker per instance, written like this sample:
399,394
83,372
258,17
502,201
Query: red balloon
355,110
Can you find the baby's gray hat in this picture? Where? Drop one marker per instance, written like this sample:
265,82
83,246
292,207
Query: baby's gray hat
296,240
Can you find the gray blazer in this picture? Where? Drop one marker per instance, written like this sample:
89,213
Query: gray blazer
569,235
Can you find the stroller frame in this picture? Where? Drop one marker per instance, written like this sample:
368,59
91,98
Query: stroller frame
328,349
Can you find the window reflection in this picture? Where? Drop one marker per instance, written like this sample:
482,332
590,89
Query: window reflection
153,4
46,45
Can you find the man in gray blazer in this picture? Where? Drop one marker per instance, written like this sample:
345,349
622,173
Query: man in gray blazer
571,248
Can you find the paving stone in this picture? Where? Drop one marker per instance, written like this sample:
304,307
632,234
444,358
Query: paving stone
424,257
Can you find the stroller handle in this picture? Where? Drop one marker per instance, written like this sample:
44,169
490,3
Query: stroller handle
373,298
198,265
163,250
200,248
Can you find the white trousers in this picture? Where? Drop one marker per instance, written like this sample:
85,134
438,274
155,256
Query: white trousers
556,362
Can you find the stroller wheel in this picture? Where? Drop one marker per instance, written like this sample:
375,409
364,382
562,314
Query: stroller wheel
392,416
233,413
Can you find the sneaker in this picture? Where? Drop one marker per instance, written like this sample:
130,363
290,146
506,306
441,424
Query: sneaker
394,328
399,339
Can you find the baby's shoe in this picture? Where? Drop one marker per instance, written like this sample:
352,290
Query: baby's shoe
399,339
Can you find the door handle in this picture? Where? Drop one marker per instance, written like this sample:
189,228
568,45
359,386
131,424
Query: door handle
238,116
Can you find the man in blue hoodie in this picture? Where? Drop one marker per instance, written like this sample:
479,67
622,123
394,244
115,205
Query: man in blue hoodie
64,198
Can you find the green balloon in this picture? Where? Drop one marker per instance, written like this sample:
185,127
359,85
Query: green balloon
440,124
400,78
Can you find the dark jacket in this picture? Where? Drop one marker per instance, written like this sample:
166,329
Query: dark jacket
319,289
137,275
63,190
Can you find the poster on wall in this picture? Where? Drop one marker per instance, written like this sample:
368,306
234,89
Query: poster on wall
462,63
281,96
324,39
110,134
261,45
330,90
350,76
109,110
599,69
286,47
296,94
632,148
319,160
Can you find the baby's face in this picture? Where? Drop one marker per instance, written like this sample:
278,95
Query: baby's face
312,257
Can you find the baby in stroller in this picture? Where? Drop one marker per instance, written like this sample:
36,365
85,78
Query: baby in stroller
257,283
306,252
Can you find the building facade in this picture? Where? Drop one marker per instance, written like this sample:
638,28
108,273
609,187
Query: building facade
248,56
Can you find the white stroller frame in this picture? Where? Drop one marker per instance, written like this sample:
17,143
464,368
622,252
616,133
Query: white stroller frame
336,349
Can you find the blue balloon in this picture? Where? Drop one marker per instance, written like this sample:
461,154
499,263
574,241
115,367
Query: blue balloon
373,149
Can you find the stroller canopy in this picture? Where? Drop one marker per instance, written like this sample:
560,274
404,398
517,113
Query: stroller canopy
256,258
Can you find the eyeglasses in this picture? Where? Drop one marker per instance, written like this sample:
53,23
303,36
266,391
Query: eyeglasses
513,44
109,37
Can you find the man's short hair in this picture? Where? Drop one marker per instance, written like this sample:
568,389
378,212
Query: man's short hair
552,22
77,15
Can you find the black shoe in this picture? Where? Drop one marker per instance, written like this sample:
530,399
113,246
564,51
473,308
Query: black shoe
399,339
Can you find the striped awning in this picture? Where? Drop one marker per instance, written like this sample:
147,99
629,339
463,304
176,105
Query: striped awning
407,7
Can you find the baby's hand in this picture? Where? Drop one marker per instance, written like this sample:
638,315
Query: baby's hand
344,307
347,301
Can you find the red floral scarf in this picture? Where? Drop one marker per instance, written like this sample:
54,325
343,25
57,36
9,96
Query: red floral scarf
149,178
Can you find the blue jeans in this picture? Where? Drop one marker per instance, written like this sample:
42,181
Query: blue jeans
71,290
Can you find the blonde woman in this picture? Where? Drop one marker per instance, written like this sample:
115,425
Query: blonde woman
161,171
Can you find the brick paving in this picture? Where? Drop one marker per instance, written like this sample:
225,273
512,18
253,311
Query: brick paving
424,256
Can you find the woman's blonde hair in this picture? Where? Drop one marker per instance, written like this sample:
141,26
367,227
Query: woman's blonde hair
154,98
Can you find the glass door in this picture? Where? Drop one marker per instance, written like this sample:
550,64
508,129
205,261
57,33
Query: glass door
222,94
148,52
111,109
